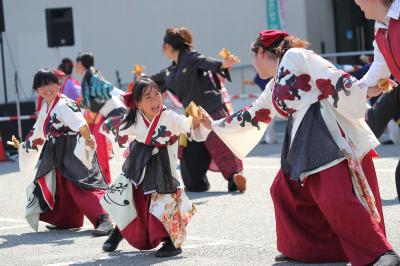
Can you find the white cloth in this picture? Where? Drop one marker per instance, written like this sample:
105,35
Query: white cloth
379,68
65,114
241,137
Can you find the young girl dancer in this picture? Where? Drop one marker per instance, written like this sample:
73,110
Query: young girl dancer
147,202
58,154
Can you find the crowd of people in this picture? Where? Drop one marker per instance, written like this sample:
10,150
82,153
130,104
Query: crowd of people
327,181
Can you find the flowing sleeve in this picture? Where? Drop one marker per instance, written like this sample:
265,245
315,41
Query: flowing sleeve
204,62
181,124
71,115
242,131
29,150
159,78
335,86
377,71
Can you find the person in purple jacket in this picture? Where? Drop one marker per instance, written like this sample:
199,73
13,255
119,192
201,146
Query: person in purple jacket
70,86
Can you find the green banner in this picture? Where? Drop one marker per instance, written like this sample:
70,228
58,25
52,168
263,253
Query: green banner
274,14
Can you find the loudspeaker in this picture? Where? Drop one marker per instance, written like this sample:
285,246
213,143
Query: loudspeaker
60,27
9,128
2,25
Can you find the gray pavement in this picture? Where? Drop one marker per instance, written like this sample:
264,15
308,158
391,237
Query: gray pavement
228,229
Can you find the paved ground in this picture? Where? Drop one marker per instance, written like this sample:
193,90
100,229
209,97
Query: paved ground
229,228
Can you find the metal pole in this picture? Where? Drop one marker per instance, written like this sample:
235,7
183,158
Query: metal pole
118,80
18,106
3,67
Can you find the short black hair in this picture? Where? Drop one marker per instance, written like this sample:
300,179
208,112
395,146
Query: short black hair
44,77
87,59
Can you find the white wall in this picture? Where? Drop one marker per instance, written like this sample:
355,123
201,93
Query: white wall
124,32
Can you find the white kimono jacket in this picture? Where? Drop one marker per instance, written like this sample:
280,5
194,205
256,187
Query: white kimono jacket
175,210
63,117
303,79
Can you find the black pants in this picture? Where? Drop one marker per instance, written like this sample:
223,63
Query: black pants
194,166
385,108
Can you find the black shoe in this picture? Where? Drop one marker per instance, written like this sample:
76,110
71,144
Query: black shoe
388,142
231,186
281,257
55,228
104,226
389,258
112,241
52,227
237,183
168,250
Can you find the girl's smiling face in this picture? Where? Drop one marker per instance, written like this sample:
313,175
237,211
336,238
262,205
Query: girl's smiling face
49,92
151,102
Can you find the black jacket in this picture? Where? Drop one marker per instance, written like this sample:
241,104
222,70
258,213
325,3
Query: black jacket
189,80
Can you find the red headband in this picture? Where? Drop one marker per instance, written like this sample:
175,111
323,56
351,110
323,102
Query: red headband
129,100
58,73
268,37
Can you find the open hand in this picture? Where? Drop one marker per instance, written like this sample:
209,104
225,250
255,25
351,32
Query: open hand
374,91
229,62
91,142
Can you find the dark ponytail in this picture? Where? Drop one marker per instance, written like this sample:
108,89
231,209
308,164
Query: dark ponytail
139,88
179,38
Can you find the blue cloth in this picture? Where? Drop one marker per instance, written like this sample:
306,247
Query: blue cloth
261,82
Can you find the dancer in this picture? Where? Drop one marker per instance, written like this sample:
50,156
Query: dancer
70,86
58,154
386,62
189,79
327,182
100,104
147,202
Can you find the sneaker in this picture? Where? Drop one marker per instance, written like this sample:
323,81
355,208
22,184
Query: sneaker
389,258
105,226
240,182
112,241
168,250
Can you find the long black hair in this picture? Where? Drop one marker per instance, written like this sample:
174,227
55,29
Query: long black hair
44,77
139,88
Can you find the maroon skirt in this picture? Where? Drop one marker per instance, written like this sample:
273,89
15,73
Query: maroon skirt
323,221
146,231
72,203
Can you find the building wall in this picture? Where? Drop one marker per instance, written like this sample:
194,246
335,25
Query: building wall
127,32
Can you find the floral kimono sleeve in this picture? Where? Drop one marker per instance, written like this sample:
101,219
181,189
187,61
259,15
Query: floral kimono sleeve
114,130
242,131
336,86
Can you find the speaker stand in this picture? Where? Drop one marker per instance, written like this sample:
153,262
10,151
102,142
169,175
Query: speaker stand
3,67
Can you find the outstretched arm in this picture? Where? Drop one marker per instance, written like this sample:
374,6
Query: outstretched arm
242,131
